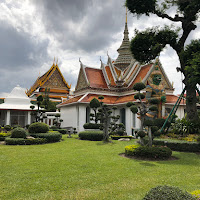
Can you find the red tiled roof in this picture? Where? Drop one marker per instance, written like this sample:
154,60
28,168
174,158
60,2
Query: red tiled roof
118,72
143,72
173,99
110,76
95,78
72,100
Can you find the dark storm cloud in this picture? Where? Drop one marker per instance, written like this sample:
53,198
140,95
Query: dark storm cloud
18,49
64,20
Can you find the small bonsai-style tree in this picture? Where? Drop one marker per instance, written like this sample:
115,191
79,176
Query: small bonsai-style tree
57,121
94,104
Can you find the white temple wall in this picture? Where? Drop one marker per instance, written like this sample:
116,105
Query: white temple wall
69,116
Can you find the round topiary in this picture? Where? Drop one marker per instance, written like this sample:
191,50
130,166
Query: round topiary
18,133
139,86
134,109
94,103
156,133
154,101
159,122
153,108
167,193
141,134
38,127
129,104
154,129
7,127
139,95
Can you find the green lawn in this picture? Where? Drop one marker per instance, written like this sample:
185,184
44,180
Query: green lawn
75,169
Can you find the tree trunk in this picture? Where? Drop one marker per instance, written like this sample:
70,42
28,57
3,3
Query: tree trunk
150,137
191,101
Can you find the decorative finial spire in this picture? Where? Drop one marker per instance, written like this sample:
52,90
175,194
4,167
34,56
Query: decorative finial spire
57,61
126,14
54,60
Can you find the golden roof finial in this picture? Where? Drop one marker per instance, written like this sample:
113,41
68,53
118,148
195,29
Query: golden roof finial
57,61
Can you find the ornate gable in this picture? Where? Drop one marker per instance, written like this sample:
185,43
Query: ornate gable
82,82
54,81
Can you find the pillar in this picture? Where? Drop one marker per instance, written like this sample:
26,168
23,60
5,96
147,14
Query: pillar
8,117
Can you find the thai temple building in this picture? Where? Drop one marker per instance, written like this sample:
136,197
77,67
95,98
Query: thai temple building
16,108
114,80
52,81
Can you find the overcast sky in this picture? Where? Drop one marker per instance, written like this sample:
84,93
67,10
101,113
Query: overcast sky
33,32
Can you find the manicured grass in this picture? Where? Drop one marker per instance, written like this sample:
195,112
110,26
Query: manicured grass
77,169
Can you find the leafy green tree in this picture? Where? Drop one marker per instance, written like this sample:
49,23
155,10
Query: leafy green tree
149,43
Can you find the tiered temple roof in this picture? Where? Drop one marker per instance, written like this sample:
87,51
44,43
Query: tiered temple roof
52,80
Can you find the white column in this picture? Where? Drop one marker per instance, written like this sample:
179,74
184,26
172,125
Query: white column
29,117
8,117
129,122
163,109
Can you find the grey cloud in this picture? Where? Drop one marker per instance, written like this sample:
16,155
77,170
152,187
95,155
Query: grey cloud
104,19
18,49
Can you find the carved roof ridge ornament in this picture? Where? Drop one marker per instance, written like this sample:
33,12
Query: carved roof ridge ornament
124,58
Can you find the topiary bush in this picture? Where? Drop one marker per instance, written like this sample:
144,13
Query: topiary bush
91,135
139,95
139,86
50,136
18,133
91,126
154,152
167,193
130,149
22,141
7,127
141,134
38,127
3,135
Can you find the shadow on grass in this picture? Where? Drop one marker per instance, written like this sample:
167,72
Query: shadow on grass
110,142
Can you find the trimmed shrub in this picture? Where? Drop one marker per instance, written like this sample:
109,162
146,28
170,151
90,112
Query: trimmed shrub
134,109
54,128
167,193
154,101
155,152
91,126
114,137
7,127
196,194
153,108
38,127
139,95
179,146
159,122
141,134
129,104
91,135
120,132
4,135
50,136
62,131
22,141
148,122
18,133
139,86
16,126
130,149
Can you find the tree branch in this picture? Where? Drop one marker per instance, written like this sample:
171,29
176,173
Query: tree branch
164,15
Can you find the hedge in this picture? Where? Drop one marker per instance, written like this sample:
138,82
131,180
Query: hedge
50,136
22,141
168,193
91,135
63,131
4,135
179,146
91,126
155,152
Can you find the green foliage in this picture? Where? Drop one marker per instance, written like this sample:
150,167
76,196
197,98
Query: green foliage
134,109
192,58
179,146
130,149
40,98
139,86
62,131
154,129
129,104
153,108
22,141
91,126
120,132
91,135
139,95
38,127
94,103
3,135
154,152
18,133
159,122
154,101
148,122
167,193
141,134
7,127
49,136
196,194
141,6
184,126
163,99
